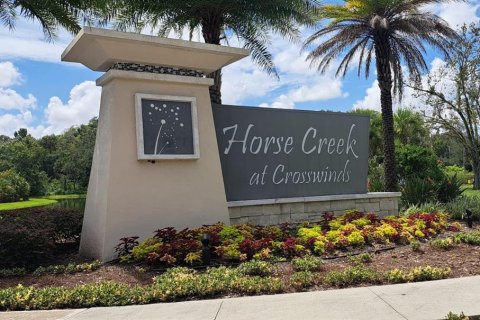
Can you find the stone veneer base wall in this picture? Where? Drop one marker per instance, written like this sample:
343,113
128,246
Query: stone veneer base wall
298,210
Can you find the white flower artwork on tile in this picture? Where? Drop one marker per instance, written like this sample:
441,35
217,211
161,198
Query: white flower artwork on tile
168,119
167,127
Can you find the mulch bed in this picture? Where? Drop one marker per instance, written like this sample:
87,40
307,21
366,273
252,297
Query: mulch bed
464,260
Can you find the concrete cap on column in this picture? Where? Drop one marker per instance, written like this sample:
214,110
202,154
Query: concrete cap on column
98,49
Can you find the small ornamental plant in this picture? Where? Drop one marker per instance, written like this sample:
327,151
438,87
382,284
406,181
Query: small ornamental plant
417,274
307,263
351,276
471,238
444,244
362,258
303,279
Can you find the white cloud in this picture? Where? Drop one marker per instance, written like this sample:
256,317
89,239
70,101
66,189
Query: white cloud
409,100
243,80
298,81
371,99
17,48
9,123
11,100
84,104
321,88
9,74
27,41
282,102
458,13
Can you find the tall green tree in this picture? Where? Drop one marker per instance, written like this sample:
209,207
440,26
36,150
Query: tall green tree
24,154
451,95
51,14
251,21
74,155
394,33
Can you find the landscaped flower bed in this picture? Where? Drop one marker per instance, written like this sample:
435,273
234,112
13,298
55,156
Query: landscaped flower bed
353,231
118,284
260,260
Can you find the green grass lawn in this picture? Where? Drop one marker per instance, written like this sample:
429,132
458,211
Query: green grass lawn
37,202
469,192
33,202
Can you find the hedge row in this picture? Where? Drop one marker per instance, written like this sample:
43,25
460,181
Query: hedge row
183,283
32,237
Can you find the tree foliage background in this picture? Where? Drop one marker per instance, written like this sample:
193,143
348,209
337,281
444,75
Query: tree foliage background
53,164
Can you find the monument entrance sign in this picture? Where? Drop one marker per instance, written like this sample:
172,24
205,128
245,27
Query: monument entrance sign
164,157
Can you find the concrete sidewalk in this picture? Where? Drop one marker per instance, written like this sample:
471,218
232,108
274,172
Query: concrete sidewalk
423,300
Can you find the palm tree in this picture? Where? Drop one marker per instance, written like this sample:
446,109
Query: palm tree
249,20
395,33
51,14
410,127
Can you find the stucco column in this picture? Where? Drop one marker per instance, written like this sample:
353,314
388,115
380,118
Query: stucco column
131,197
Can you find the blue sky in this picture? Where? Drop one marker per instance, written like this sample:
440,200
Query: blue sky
47,96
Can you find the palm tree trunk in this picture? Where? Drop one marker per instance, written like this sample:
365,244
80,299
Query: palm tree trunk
384,76
476,173
212,30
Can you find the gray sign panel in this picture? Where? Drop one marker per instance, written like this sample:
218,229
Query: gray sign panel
274,153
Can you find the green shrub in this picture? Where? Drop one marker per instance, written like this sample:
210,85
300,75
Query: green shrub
302,279
69,268
449,189
307,263
361,258
84,296
256,268
231,252
422,179
416,190
14,272
463,175
13,187
417,161
454,316
182,282
472,238
458,206
428,273
424,207
396,276
67,224
416,246
444,244
417,274
376,176
31,237
231,233
350,276
140,252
